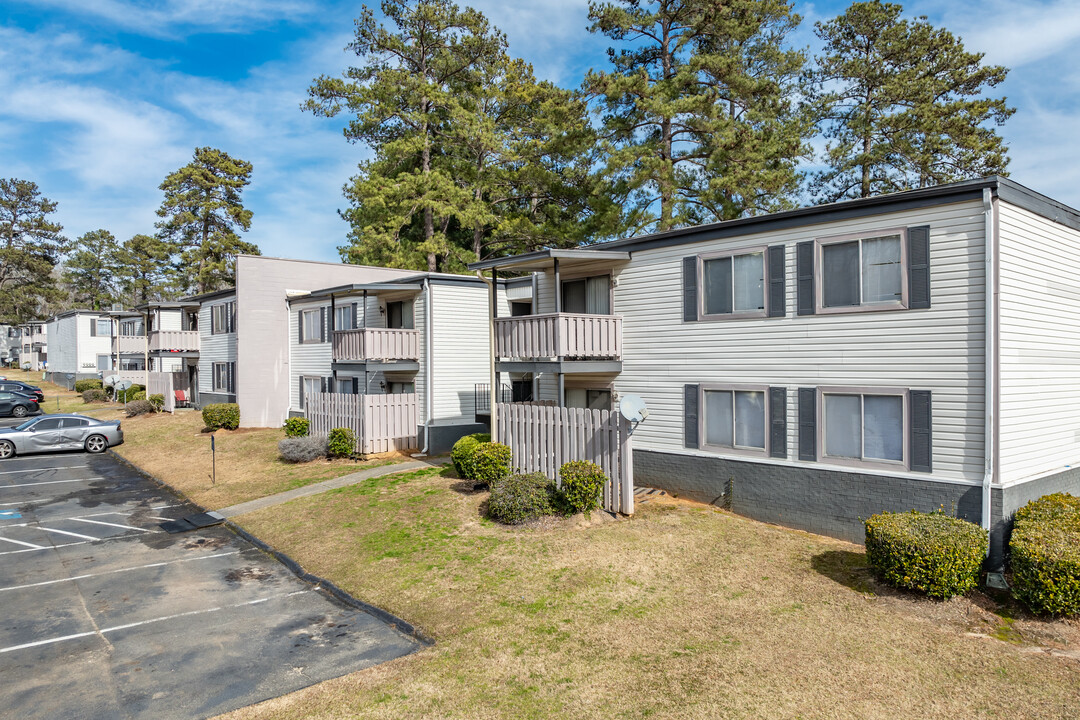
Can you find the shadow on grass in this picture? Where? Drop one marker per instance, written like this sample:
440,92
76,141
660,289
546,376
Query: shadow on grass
847,568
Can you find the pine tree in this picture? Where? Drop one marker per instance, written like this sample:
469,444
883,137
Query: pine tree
144,272
90,270
30,248
202,210
902,105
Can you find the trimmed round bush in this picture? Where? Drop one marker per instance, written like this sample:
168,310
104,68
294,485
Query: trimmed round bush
138,396
139,407
1044,554
94,395
129,394
221,416
519,498
302,449
342,442
462,452
582,485
90,384
158,401
490,462
932,553
297,427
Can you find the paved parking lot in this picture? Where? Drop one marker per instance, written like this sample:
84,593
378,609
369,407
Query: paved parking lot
107,616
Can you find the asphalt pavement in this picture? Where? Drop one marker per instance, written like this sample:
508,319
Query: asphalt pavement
105,615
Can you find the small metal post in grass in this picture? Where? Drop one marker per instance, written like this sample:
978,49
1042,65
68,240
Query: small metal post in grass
213,456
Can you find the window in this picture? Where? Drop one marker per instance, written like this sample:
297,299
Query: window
104,362
221,377
132,328
734,418
865,272
733,284
399,388
345,385
132,364
311,326
344,318
47,424
519,309
100,328
223,318
308,387
588,296
399,315
598,399
74,422
864,426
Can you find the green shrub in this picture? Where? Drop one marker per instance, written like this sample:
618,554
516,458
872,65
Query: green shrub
221,415
302,449
158,401
490,462
518,498
129,394
139,407
84,385
933,553
141,395
582,485
1045,554
462,452
94,395
297,427
342,442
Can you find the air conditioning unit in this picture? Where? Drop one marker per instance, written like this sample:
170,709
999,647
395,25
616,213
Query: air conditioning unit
117,307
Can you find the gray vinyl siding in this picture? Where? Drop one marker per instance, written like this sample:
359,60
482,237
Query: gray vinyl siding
1039,341
63,346
214,348
460,337
312,359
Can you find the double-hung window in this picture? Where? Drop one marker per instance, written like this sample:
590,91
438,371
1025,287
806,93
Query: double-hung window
734,418
222,318
733,284
311,326
344,385
100,328
309,386
867,272
868,426
221,378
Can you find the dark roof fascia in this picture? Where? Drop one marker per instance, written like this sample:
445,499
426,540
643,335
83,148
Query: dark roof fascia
353,289
1014,193
586,252
204,297
71,313
168,305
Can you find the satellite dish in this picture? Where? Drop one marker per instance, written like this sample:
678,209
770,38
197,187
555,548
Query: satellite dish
111,380
632,407
26,366
122,384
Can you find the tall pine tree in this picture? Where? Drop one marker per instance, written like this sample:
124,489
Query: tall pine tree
30,248
144,270
902,105
90,271
202,211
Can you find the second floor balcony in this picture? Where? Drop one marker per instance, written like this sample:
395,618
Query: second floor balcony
559,336
130,344
376,345
174,341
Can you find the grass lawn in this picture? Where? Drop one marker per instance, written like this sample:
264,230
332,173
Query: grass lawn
70,401
683,611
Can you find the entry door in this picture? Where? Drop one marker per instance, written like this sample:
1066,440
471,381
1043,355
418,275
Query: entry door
590,296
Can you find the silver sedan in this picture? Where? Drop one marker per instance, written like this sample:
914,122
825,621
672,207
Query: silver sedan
50,433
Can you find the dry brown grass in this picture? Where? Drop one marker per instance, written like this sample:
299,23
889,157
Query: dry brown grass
70,401
684,611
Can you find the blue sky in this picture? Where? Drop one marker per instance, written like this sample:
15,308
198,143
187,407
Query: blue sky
103,98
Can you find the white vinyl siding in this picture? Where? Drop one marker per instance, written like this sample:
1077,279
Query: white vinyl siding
460,336
939,349
1039,340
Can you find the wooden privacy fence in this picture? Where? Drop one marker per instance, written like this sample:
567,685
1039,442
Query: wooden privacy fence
544,437
381,423
165,384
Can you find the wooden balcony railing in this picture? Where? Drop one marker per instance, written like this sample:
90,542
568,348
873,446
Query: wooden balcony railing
559,335
129,343
367,344
174,341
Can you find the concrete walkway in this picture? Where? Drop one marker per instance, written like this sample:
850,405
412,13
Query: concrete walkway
316,488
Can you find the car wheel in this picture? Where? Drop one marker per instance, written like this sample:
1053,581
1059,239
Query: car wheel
18,411
96,444
7,449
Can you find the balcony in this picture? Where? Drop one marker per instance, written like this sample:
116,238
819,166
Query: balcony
129,344
560,336
174,341
378,345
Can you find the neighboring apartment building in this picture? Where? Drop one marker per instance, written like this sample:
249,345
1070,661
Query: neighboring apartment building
424,334
82,346
814,367
10,344
33,349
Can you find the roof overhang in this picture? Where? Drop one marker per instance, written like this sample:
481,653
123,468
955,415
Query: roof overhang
177,305
381,289
542,260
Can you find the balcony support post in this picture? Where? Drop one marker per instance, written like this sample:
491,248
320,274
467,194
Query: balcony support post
562,389
332,322
496,388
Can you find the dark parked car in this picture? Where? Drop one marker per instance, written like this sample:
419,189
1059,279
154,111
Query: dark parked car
17,404
21,387
60,432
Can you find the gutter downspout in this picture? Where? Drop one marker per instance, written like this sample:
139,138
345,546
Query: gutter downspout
491,354
429,395
990,357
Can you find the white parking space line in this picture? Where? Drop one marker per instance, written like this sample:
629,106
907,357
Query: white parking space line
115,628
121,570
57,547
66,532
41,470
50,482
93,515
32,546
115,525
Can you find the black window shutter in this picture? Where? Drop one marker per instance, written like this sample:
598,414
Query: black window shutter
322,384
301,392
232,377
322,324
777,287
918,250
689,279
921,440
690,416
354,316
356,385
232,316
807,424
93,327
804,272
778,422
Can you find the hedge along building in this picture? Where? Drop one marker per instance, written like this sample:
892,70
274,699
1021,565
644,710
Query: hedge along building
814,367
423,335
